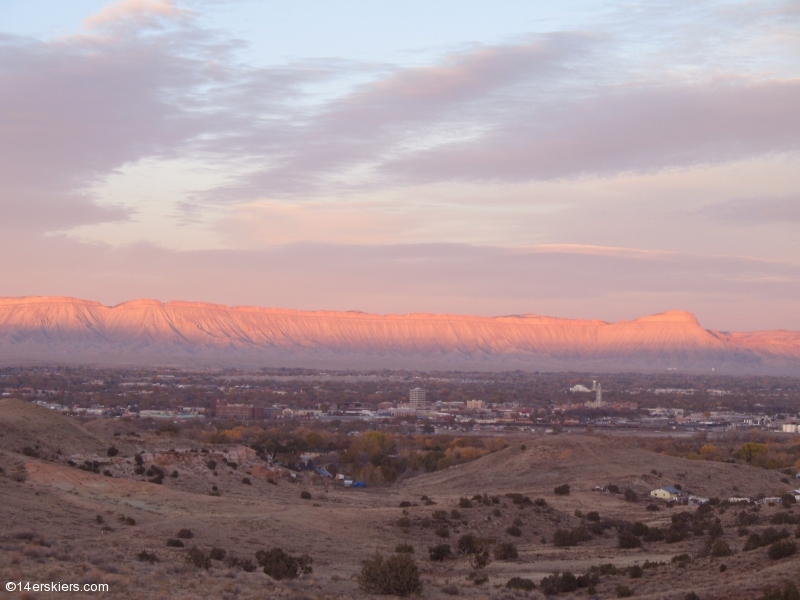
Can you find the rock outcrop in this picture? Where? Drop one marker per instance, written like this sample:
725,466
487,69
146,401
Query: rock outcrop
67,330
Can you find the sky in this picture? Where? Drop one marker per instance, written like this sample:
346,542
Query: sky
602,160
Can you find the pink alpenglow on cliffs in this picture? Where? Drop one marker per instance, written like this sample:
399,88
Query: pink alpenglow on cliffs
148,332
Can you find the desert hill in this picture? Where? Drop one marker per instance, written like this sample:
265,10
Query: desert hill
67,330
76,525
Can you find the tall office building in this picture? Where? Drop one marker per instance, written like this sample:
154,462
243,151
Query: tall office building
416,396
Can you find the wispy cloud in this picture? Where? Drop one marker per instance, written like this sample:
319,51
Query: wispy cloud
755,210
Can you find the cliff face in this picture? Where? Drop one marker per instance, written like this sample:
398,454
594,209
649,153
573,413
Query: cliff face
67,330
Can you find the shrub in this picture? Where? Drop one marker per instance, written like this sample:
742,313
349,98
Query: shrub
198,558
505,551
148,557
569,537
172,543
519,583
211,464
464,503
631,496
593,515
784,518
405,504
653,507
246,481
440,515
496,512
245,564
623,591
443,531
635,572
137,458
112,451
454,514
217,554
789,592
561,490
451,590
782,549
514,531
404,549
305,495
174,474
640,529
613,488
129,521
558,583
139,470
185,534
720,548
280,565
628,540
404,522
691,596
654,534
439,553
398,575
468,544
788,500
540,502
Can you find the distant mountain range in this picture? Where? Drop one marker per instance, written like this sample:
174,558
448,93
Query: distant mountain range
54,330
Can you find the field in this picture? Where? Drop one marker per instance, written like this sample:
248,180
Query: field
106,523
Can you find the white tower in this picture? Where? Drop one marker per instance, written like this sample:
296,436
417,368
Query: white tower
599,395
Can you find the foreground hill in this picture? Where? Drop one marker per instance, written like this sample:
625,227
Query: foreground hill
64,523
148,332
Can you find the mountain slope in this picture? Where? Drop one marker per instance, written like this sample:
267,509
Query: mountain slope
148,332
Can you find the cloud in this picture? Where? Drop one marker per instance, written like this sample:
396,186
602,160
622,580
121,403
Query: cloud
638,129
139,12
724,292
755,211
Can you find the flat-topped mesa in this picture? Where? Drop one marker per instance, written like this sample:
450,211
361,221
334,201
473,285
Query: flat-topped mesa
147,331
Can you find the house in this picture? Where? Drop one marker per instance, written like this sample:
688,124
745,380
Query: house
667,493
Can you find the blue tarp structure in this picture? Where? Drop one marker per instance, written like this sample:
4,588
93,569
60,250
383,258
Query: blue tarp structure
322,471
359,484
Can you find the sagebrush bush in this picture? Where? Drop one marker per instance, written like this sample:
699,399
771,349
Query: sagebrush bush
439,553
514,531
782,549
280,565
185,534
721,548
558,583
217,554
628,540
593,515
398,575
172,543
305,495
404,549
505,551
520,583
443,531
198,558
561,490
149,557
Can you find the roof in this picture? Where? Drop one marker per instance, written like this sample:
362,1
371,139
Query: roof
670,489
